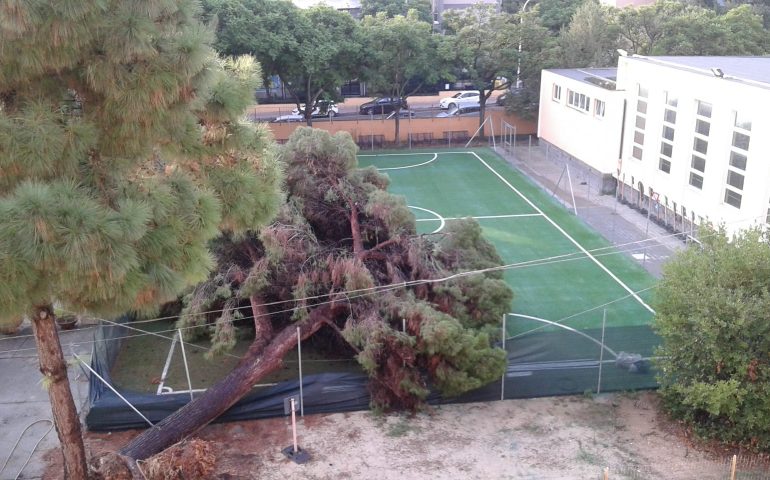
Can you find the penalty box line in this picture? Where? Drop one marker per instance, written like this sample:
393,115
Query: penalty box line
482,217
566,235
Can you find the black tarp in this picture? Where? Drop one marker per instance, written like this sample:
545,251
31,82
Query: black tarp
540,363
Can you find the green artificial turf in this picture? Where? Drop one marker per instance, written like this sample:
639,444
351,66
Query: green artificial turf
561,283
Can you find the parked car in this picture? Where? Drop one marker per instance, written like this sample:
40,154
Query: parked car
323,108
460,111
466,98
293,117
501,99
382,105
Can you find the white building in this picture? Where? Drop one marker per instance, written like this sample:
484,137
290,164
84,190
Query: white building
581,104
692,142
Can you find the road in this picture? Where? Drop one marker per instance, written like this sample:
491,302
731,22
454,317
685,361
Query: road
420,106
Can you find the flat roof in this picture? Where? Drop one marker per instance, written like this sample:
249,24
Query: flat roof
752,69
598,77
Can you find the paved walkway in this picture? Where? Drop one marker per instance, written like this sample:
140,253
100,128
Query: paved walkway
647,243
23,400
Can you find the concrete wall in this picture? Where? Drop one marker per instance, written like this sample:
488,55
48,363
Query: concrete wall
592,139
386,127
727,96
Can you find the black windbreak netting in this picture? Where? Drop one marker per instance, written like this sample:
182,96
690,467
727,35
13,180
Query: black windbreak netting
540,363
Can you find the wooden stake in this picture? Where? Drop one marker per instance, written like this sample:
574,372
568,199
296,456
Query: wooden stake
733,467
606,473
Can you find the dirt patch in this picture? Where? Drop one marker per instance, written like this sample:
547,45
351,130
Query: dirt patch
543,438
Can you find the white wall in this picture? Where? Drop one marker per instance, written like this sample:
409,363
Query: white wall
726,96
593,140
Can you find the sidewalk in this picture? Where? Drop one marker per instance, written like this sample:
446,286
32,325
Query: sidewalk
23,399
628,230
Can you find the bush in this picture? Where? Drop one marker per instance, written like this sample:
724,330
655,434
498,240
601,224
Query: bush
713,314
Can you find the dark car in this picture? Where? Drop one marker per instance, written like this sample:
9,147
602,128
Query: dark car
382,105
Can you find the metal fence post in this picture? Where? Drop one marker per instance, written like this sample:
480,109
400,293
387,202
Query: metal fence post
601,354
299,362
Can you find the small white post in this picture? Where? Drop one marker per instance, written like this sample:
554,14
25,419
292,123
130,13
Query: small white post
403,325
164,374
502,380
301,395
186,367
601,354
492,127
571,191
294,424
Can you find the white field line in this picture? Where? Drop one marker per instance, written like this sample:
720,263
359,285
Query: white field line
435,156
438,217
483,217
404,154
567,235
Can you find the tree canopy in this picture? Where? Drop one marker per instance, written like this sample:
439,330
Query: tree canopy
343,263
121,152
713,315
413,57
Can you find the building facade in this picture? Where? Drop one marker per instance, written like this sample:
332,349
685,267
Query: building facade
691,138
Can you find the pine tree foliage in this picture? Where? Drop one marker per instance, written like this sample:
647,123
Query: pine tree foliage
122,153
342,245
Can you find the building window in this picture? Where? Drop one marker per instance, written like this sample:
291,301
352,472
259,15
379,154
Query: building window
742,122
664,165
738,160
642,91
696,180
700,145
741,140
671,100
704,109
698,163
735,179
578,100
703,127
641,106
556,92
640,122
736,169
639,137
733,198
669,116
668,133
666,149
637,152
599,108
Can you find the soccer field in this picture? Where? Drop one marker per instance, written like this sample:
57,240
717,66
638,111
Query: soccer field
560,269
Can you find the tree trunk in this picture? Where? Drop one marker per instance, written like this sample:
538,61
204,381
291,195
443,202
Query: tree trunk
398,126
65,414
482,112
256,364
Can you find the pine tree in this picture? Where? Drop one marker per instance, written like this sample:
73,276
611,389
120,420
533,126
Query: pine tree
342,262
122,155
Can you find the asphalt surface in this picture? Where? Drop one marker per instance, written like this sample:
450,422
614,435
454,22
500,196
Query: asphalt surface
24,401
646,242
423,106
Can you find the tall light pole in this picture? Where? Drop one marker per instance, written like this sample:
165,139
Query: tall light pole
518,60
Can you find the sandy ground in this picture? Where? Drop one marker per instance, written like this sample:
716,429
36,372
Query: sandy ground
546,438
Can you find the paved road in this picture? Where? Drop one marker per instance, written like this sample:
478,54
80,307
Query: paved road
23,400
421,106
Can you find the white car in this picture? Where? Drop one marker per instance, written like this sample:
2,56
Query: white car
467,98
294,117
323,108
